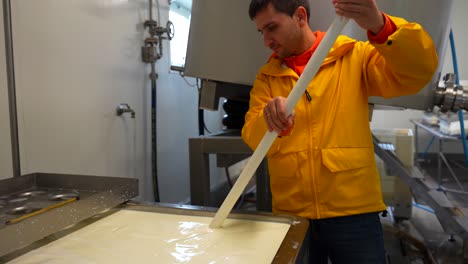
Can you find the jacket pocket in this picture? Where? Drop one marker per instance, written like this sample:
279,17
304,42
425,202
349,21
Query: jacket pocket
284,165
288,183
342,159
349,181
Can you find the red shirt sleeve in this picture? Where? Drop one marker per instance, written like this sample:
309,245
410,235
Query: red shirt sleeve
388,29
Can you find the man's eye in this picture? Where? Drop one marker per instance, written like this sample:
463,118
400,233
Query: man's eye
271,28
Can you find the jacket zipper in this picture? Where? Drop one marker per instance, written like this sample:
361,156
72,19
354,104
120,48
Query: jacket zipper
312,187
309,98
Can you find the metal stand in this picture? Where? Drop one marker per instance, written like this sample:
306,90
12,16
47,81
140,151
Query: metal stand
441,158
453,222
229,149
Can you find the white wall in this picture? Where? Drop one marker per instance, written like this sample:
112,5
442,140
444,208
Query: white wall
387,119
75,61
6,170
66,78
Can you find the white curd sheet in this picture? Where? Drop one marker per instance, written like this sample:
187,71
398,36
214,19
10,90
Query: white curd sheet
453,128
129,236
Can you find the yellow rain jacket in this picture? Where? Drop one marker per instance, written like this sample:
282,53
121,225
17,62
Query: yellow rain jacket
325,166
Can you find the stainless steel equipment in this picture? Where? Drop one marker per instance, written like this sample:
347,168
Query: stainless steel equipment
450,96
25,194
229,149
289,251
452,218
224,47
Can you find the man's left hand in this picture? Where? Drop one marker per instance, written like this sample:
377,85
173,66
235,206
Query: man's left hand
365,12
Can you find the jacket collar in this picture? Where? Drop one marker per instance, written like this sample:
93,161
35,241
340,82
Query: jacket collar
276,67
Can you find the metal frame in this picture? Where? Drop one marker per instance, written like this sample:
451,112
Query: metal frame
434,131
452,220
10,67
229,148
103,193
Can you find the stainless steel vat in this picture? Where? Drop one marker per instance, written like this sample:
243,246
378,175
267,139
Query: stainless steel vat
25,194
288,252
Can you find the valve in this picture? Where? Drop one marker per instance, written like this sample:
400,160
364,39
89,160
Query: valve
152,51
450,96
168,30
152,25
149,52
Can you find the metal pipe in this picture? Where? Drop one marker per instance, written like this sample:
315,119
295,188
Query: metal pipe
150,9
10,67
154,134
159,12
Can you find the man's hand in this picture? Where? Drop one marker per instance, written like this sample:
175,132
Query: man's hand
365,12
275,115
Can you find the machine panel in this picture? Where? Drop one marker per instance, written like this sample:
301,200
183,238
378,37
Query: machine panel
224,45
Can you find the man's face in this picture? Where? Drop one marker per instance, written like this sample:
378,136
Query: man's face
281,33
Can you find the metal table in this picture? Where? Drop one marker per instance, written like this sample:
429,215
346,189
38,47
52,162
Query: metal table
441,138
229,148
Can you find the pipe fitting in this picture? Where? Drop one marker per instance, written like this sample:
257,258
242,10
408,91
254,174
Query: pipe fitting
451,97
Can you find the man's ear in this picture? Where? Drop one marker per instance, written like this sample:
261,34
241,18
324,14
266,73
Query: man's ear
301,15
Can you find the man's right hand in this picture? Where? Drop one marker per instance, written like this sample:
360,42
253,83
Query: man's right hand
275,115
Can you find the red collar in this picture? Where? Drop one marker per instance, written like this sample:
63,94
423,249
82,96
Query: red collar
298,62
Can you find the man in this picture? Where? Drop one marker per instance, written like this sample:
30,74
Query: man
322,164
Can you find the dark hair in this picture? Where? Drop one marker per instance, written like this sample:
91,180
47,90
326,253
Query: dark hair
284,6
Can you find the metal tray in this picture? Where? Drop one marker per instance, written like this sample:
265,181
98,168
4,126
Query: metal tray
288,252
25,194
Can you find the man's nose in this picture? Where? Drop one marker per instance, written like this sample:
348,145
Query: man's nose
267,41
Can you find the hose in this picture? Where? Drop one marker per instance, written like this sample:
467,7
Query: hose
460,111
423,207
